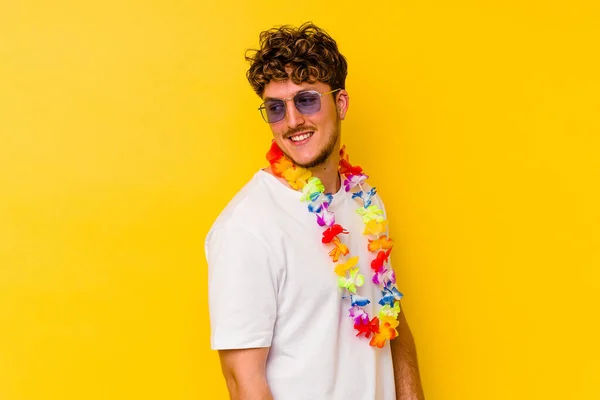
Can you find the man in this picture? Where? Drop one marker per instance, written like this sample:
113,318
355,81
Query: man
303,303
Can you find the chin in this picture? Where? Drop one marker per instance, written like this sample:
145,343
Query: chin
311,161
301,157
306,163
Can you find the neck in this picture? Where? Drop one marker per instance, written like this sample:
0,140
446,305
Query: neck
328,173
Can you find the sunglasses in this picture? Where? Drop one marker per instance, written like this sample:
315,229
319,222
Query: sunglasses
306,102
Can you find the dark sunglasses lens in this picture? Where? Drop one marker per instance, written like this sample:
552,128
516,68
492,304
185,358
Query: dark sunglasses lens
308,103
274,110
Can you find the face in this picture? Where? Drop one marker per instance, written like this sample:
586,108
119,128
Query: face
308,140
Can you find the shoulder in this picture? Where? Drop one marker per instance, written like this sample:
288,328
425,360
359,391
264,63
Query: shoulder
257,208
243,206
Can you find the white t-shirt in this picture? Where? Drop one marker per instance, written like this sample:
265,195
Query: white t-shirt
272,284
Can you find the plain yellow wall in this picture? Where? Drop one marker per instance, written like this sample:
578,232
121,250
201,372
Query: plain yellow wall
125,127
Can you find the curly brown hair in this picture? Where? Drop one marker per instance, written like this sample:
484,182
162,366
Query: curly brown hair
308,52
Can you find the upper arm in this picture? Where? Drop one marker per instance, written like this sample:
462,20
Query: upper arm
243,287
244,364
244,372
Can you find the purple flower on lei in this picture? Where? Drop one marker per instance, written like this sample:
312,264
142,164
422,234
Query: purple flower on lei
325,218
384,277
352,181
358,315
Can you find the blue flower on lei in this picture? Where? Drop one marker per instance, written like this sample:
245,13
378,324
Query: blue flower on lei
366,197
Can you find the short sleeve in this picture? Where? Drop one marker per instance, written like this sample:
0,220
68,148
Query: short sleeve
242,289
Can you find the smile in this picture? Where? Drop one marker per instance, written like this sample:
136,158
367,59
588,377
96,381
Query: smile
301,138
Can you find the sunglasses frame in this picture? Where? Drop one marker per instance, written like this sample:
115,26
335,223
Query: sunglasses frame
263,107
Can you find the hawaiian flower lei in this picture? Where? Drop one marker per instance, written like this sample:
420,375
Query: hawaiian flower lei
383,326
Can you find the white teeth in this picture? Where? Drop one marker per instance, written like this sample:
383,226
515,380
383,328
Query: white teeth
300,138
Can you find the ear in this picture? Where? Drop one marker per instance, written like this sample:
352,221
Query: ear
342,103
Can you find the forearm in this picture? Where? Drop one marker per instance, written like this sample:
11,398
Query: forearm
406,369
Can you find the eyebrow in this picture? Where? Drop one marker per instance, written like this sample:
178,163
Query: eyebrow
299,91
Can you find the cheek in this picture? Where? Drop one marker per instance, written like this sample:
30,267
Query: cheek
277,129
327,123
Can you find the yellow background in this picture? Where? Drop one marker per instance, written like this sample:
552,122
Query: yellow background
125,127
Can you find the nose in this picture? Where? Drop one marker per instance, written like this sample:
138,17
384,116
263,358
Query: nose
292,116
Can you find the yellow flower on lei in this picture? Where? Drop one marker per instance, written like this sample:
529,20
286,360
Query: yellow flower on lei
297,177
374,227
341,268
